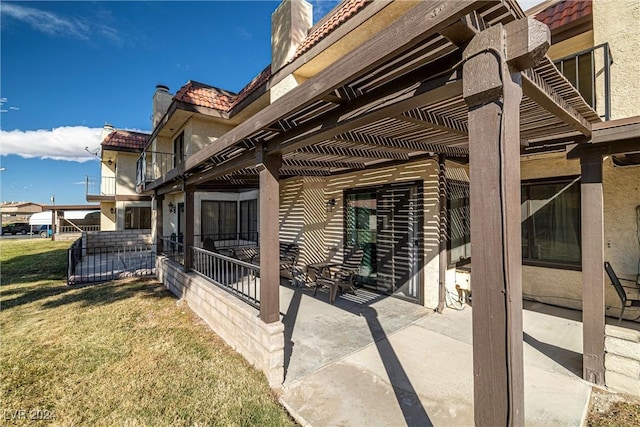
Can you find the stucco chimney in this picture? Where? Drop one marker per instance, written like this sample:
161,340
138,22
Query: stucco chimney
107,130
161,102
290,24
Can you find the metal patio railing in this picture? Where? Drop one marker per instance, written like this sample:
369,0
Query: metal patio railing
92,265
152,165
584,70
172,247
100,186
239,278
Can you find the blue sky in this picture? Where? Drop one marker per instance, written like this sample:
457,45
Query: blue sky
70,67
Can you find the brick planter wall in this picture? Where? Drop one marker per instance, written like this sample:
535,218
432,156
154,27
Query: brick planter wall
102,239
622,359
236,322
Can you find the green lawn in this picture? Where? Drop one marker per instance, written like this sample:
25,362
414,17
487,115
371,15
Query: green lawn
123,352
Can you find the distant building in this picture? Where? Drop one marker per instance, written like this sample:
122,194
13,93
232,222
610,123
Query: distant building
121,208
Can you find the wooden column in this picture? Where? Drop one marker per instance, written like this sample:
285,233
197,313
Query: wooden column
189,210
158,226
593,308
443,220
493,95
269,166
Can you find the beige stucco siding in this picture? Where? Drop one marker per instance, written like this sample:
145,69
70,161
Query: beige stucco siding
617,22
621,197
304,218
621,191
126,173
107,219
198,133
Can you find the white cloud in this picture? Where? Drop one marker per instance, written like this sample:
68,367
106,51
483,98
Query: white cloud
57,25
63,143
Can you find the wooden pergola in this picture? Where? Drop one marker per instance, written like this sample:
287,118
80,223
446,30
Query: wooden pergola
448,79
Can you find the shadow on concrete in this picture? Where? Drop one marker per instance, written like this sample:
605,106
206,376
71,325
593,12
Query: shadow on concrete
406,395
570,360
360,305
289,321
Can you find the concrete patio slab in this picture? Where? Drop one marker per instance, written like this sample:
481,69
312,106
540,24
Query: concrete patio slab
420,371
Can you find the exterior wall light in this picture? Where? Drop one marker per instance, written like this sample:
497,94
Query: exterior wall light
330,204
113,211
172,207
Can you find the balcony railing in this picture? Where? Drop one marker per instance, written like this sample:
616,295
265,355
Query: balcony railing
589,72
100,186
239,278
152,165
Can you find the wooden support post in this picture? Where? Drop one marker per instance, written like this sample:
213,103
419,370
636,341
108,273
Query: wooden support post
188,227
493,95
443,220
269,166
158,225
593,322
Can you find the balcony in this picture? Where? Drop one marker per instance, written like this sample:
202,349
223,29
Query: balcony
152,165
100,188
589,72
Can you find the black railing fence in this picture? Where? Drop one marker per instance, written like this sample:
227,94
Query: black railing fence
239,278
92,265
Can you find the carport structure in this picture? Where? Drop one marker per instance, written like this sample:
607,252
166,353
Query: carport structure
449,79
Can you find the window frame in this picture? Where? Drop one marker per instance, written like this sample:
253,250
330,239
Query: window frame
178,150
526,260
137,218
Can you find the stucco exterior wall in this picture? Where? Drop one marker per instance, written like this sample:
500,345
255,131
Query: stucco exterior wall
621,192
304,218
107,219
126,173
617,23
198,133
170,220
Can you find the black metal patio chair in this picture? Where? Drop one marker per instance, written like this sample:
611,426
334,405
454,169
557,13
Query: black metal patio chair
624,300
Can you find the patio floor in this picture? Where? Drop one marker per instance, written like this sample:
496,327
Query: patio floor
383,361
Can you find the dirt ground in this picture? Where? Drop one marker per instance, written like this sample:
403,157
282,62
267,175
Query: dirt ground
613,409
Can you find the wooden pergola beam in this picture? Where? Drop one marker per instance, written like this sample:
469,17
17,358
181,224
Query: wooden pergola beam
396,143
328,164
426,19
353,152
430,120
541,93
435,90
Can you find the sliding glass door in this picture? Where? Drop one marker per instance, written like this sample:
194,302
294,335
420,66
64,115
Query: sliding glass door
386,222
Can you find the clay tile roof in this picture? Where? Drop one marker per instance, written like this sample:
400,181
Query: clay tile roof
345,11
204,95
254,84
564,12
126,139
